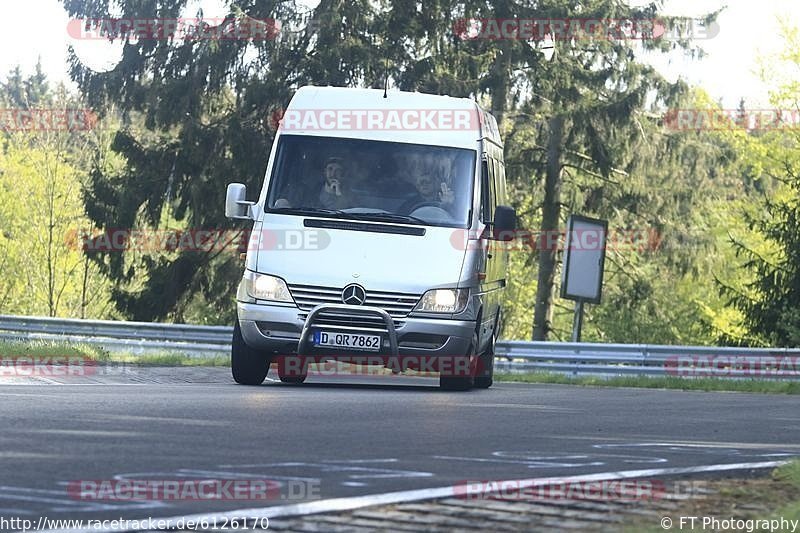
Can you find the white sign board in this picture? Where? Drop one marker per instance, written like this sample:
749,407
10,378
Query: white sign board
584,259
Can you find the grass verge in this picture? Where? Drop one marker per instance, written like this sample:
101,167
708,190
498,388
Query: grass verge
11,349
752,501
87,352
667,382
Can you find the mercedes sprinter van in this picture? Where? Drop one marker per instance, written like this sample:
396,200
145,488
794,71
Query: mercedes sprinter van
377,233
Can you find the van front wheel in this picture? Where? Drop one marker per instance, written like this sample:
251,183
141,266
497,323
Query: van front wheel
248,366
457,381
485,374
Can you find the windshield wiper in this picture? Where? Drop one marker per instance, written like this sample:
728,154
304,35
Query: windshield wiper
388,217
337,213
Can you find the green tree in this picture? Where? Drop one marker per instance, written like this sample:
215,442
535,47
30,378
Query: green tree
194,119
770,299
196,115
41,209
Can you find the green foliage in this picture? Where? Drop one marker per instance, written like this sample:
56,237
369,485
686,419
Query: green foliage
769,299
44,270
60,350
187,117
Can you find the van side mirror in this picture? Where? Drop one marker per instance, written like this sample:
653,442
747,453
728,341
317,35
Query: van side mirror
235,204
505,223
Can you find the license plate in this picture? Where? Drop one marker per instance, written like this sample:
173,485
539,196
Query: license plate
353,341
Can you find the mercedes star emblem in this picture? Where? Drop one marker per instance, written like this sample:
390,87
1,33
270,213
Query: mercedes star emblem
354,294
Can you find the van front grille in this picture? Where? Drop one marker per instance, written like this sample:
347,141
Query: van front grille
327,318
397,304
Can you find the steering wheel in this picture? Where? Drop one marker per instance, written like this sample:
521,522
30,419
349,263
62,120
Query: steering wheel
424,204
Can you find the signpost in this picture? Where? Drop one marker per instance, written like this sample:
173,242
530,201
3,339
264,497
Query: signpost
584,259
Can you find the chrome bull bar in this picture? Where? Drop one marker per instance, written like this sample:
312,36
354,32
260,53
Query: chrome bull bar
362,310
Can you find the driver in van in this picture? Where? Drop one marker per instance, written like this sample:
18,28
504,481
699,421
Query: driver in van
430,191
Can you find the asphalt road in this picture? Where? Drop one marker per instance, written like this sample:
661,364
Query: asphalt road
334,439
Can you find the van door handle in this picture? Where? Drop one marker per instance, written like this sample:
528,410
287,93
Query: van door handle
488,255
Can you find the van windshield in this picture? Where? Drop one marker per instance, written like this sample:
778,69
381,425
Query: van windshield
372,180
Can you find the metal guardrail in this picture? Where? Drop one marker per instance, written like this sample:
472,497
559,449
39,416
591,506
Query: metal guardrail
648,359
134,337
512,356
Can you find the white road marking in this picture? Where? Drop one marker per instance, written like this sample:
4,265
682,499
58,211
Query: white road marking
15,512
435,493
709,449
541,462
697,444
523,406
207,474
344,466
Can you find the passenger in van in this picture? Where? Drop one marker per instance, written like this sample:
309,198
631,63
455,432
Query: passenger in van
336,190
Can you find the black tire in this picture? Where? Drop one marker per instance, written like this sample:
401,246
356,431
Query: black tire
455,383
248,366
294,378
485,375
460,383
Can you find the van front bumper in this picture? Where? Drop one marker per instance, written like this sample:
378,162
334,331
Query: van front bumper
279,330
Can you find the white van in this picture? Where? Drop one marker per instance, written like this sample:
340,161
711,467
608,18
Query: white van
373,235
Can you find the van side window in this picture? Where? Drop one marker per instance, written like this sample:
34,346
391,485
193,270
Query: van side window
500,183
487,190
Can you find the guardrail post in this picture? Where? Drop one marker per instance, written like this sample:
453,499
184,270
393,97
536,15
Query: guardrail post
576,361
644,361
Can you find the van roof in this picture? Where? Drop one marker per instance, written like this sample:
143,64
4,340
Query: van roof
410,117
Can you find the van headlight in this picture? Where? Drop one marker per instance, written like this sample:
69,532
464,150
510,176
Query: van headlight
266,287
443,301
